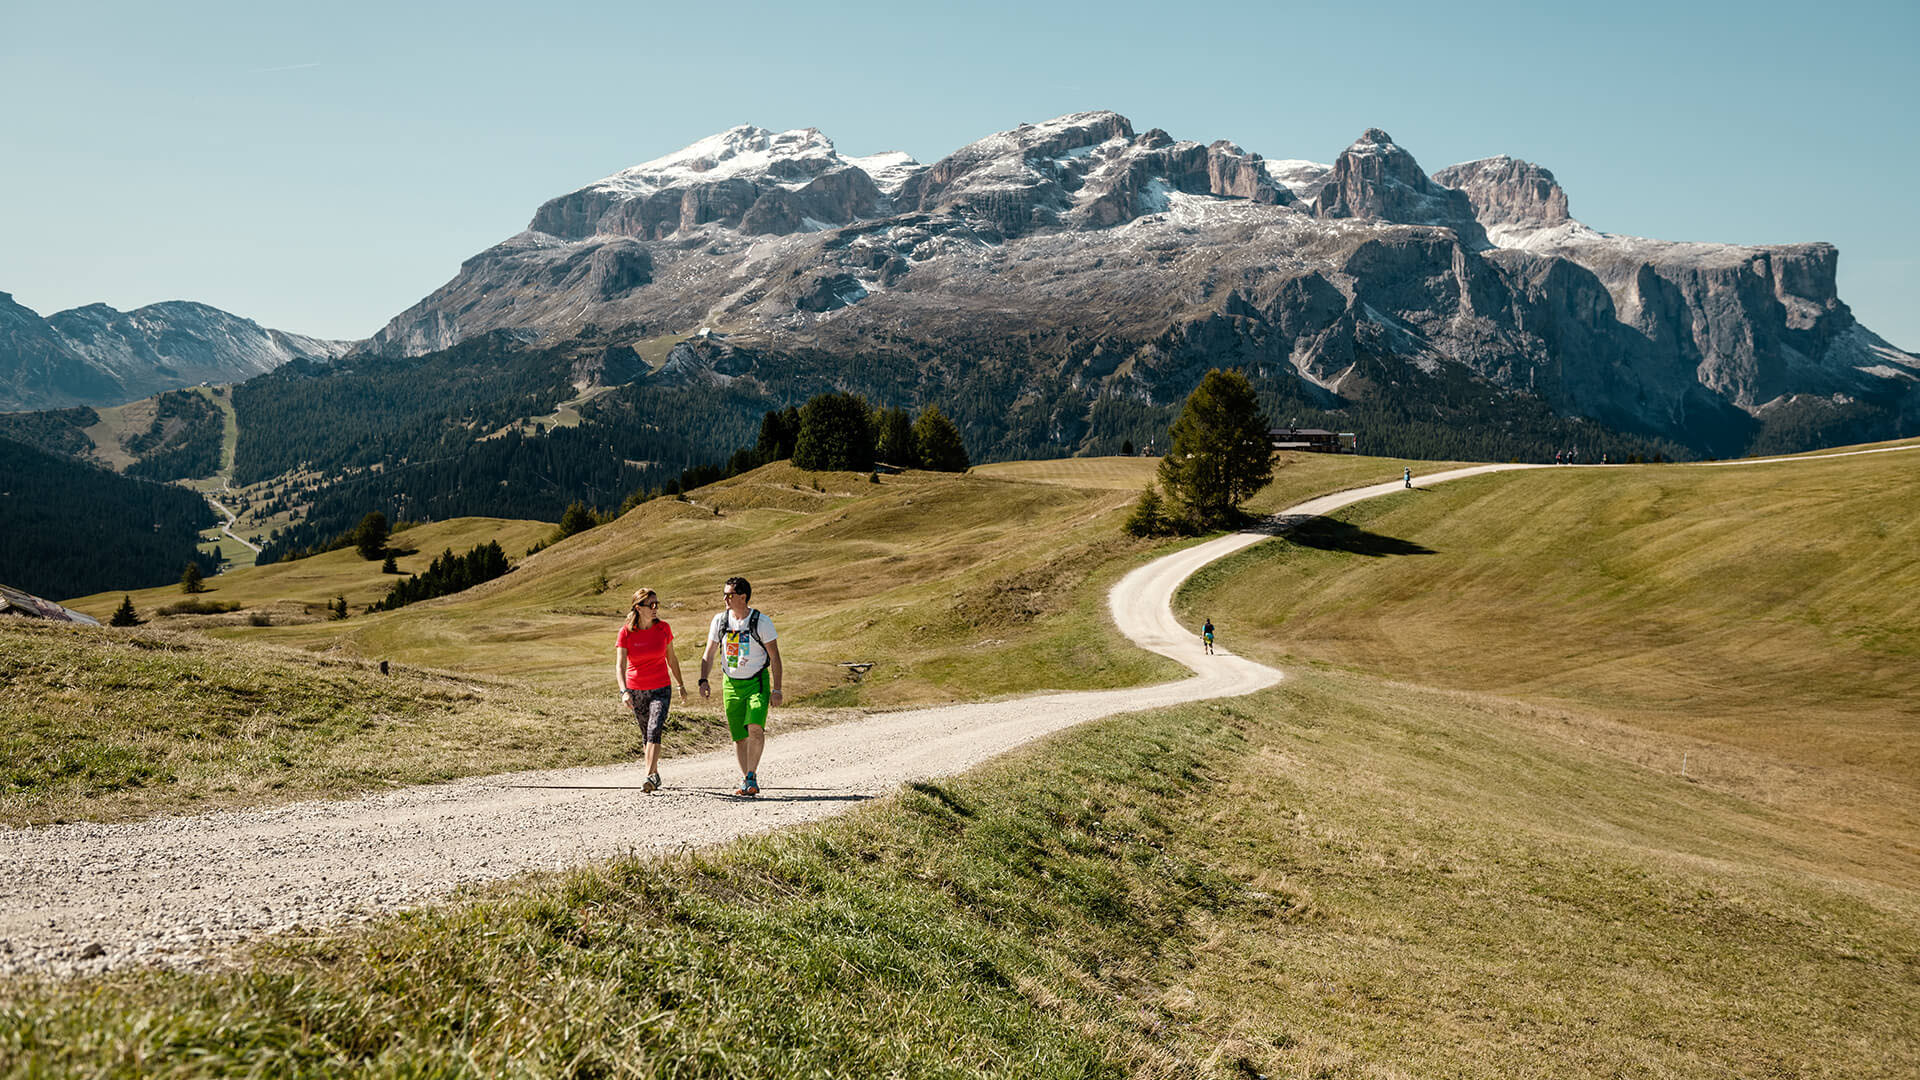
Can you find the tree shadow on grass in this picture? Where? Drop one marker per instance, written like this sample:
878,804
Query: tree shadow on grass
1327,534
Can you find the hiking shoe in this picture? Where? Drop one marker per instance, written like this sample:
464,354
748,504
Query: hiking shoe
652,784
749,785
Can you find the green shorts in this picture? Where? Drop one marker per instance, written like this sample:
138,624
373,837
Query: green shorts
745,702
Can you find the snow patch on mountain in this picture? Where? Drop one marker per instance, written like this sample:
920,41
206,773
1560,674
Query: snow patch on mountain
792,158
1303,178
889,170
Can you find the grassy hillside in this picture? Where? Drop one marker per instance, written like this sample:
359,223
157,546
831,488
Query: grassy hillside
1348,875
300,590
952,586
1342,877
1764,619
955,586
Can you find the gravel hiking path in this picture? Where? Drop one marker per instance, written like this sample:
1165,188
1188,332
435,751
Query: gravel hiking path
182,891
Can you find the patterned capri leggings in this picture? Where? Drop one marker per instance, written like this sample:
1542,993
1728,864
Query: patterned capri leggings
650,710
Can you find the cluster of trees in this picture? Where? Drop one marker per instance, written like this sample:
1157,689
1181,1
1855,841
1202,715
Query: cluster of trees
449,573
1808,422
55,431
182,442
842,432
69,528
1219,457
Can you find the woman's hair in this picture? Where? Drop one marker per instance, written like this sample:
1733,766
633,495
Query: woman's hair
633,611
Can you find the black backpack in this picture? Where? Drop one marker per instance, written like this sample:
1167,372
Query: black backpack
753,626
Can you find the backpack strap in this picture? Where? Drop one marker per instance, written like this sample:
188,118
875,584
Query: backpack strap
753,625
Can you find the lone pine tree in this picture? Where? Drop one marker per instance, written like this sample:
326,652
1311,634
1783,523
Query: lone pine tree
1220,453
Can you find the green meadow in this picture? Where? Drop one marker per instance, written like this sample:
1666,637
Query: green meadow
1575,772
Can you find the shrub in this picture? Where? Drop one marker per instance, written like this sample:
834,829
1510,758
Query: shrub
370,537
938,442
1149,517
198,607
836,433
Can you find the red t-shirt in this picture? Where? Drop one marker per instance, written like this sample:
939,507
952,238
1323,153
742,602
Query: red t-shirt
647,655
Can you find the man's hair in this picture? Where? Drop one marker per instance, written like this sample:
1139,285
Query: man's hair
741,587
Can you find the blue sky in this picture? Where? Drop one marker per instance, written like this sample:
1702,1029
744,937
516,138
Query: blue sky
320,167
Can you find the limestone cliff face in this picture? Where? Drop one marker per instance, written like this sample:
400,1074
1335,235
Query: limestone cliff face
1123,263
1742,326
1506,193
1376,180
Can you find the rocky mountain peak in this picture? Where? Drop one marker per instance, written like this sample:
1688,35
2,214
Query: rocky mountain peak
745,178
1509,196
1084,170
744,151
1375,179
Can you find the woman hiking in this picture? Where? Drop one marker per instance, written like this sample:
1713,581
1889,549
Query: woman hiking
643,659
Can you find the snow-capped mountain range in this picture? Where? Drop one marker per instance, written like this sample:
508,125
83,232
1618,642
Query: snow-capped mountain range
1124,262
95,355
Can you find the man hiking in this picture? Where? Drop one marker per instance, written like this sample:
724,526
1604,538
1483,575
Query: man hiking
1206,636
745,641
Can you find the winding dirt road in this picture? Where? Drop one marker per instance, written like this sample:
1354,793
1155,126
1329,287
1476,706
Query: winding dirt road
177,891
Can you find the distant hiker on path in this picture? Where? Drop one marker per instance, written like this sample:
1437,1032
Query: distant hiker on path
749,652
1409,476
643,659
1206,636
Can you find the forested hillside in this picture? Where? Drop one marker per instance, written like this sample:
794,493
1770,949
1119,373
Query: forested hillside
183,440
57,431
435,437
369,410
68,528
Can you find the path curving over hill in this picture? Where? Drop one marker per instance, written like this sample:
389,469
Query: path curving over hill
84,897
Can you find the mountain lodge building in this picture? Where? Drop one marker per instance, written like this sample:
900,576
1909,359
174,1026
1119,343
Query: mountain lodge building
1314,440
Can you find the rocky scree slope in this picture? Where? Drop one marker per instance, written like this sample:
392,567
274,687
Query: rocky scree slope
1086,262
95,355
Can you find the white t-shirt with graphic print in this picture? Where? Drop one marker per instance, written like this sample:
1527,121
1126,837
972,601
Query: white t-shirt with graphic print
741,657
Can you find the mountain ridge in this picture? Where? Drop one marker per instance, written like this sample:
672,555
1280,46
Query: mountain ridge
96,355
1080,237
